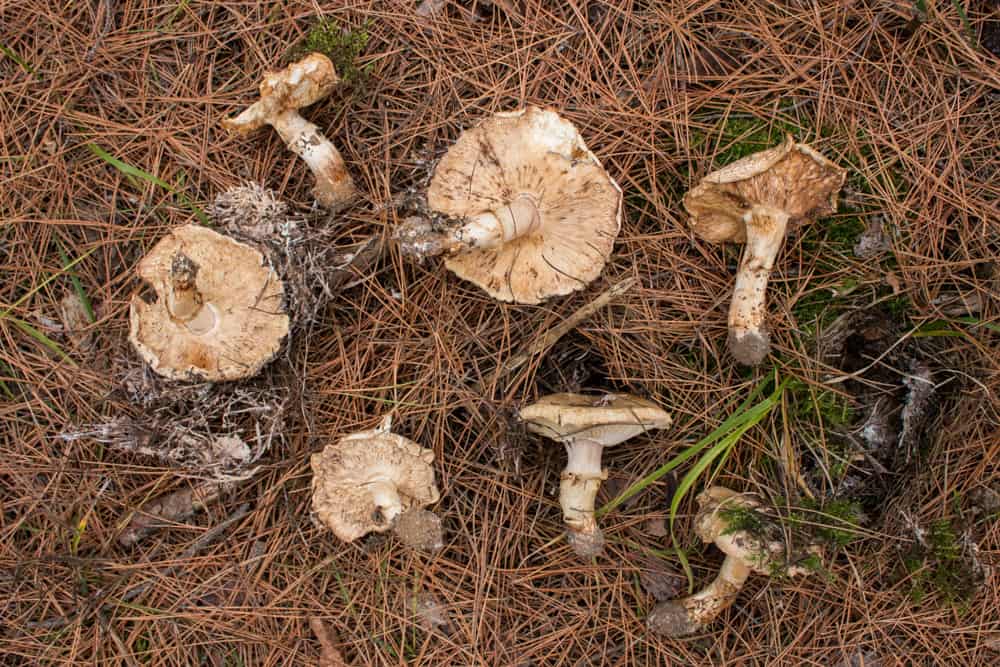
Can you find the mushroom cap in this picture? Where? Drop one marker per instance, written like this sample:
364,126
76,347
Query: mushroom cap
791,177
761,549
243,292
537,154
341,472
302,83
608,419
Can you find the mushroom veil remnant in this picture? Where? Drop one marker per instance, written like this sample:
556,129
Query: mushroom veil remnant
218,312
586,425
752,540
282,94
753,201
522,208
364,482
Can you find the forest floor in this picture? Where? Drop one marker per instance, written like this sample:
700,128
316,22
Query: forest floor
885,321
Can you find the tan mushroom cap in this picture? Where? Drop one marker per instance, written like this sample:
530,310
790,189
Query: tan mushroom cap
608,419
533,157
792,178
346,473
242,320
299,85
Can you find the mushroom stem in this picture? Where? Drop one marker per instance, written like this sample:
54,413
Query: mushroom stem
423,238
386,498
578,487
748,337
185,300
682,617
334,185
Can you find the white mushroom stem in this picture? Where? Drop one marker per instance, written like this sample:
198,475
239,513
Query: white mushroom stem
489,229
748,337
578,487
333,184
687,615
386,498
184,301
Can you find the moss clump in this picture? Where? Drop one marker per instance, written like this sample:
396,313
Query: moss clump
939,564
826,407
343,46
835,522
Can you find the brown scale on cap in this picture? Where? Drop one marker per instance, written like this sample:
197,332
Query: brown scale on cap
753,201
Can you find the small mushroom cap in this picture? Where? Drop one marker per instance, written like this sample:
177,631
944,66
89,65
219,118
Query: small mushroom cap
532,153
792,178
608,419
244,295
342,472
300,84
761,549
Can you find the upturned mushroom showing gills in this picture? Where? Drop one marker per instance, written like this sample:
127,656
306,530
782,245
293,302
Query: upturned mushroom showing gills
586,425
218,312
521,207
365,481
753,201
282,94
752,540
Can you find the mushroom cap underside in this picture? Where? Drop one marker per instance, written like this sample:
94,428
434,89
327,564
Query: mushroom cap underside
343,471
535,154
608,419
792,178
243,293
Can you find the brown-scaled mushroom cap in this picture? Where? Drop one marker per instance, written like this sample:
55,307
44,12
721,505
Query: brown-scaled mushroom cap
233,318
791,178
534,164
607,419
363,482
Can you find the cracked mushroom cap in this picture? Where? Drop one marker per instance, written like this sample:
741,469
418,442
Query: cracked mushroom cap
348,474
300,84
534,156
608,419
241,321
792,178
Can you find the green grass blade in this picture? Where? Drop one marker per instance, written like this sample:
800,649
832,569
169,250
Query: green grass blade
43,339
135,172
34,290
78,288
22,63
734,421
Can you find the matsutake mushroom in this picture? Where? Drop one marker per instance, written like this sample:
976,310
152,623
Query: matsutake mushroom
586,425
282,94
753,541
753,201
218,313
521,208
366,481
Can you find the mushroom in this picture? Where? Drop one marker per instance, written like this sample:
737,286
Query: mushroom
365,481
753,541
753,201
282,94
219,310
523,209
586,425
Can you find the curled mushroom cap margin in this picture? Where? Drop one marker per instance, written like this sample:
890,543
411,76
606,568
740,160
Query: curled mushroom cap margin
237,318
531,166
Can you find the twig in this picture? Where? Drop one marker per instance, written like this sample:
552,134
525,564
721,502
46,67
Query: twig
540,344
